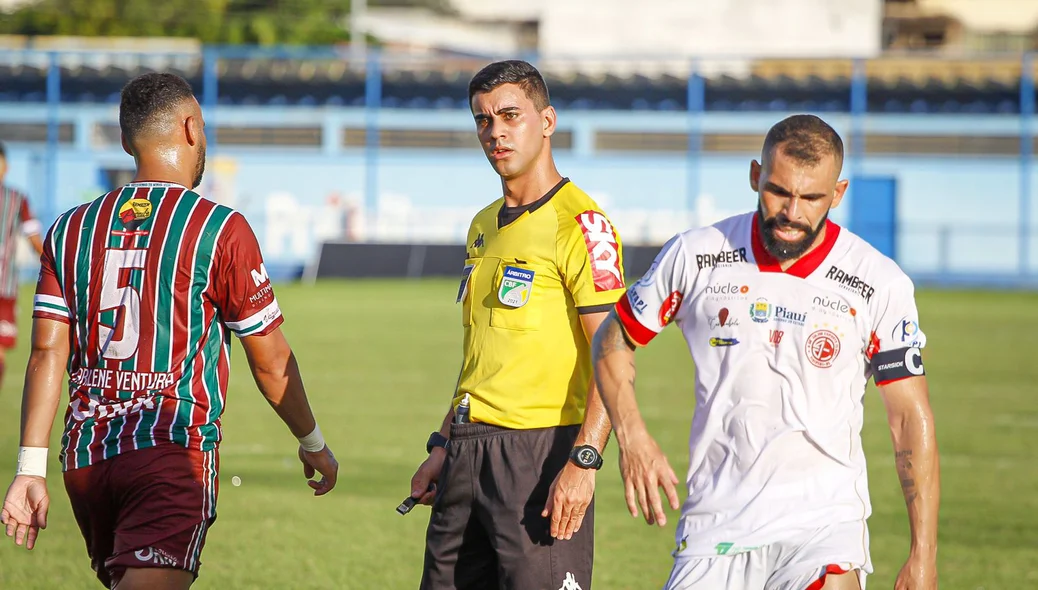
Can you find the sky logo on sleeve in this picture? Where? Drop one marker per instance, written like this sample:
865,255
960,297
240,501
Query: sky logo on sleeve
601,242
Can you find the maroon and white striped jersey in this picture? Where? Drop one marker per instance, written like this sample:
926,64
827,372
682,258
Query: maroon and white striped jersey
152,279
16,220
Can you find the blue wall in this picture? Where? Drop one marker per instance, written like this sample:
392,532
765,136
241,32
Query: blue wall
956,214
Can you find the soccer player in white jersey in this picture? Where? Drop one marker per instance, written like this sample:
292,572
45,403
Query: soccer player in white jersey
787,316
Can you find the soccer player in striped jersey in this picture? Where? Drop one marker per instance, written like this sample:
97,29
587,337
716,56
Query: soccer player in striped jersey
139,293
15,218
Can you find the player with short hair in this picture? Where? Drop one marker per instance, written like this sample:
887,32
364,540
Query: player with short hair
139,293
787,316
15,218
514,502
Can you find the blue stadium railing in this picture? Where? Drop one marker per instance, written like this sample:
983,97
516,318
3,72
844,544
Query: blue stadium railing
701,94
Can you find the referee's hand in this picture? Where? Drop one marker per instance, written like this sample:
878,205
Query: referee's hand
568,498
423,483
645,469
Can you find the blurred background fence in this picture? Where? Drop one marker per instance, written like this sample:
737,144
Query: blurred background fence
374,143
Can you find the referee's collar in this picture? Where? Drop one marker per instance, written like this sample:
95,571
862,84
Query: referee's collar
507,214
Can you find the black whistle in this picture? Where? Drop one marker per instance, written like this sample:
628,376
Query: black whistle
410,502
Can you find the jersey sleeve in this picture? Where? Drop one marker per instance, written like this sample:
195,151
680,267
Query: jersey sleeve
49,301
894,350
590,260
242,291
650,304
30,225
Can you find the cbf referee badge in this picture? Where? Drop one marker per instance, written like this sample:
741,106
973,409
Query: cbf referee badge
516,286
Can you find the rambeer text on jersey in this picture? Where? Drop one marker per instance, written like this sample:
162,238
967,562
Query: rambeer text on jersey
724,257
851,281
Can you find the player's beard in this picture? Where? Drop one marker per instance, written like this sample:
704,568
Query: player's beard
779,248
199,168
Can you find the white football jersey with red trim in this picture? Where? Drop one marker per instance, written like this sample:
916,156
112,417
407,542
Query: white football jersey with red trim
782,360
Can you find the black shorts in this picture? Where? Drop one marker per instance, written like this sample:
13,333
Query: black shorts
486,531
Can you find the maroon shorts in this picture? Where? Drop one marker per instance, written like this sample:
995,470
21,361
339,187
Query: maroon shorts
8,323
146,508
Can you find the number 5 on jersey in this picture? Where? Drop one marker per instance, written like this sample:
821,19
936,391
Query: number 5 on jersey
119,318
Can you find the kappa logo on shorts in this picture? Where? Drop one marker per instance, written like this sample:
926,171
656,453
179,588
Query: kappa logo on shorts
156,556
516,286
570,583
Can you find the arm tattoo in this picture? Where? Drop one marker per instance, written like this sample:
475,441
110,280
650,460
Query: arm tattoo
903,460
610,338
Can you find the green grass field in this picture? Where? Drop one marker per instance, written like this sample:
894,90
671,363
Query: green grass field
379,360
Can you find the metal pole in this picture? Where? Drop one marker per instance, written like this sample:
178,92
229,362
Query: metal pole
859,107
210,92
1026,152
696,106
372,103
53,126
358,35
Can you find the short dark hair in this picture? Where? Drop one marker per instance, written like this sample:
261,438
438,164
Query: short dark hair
805,138
512,71
3,150
147,96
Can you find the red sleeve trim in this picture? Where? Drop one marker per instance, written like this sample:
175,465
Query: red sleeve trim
894,380
638,333
42,315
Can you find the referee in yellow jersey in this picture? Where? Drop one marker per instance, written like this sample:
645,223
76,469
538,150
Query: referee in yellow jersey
513,506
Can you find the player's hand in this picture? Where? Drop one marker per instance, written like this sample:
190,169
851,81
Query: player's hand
918,573
428,474
644,468
322,462
25,509
568,498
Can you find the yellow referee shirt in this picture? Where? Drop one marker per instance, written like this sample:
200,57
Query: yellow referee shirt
527,362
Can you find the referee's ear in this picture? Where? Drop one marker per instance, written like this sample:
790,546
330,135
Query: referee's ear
549,118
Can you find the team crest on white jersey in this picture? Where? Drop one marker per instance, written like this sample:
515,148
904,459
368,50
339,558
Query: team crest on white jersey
516,286
760,311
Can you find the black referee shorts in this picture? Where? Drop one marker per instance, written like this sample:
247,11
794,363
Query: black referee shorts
486,531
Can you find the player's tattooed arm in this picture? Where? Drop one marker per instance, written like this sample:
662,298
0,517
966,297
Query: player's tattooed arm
903,460
916,459
643,466
613,360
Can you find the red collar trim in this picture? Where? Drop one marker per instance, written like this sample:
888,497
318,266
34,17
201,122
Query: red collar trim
801,268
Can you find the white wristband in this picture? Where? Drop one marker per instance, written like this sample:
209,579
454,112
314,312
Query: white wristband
313,442
32,461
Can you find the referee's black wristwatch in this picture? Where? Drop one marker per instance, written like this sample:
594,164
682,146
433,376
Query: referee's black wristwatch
586,457
437,440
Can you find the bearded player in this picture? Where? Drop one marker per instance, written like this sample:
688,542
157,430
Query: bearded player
787,316
139,293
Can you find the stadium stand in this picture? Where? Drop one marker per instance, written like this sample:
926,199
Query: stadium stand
895,85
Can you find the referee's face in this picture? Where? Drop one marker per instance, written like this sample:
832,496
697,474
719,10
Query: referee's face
795,199
513,133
